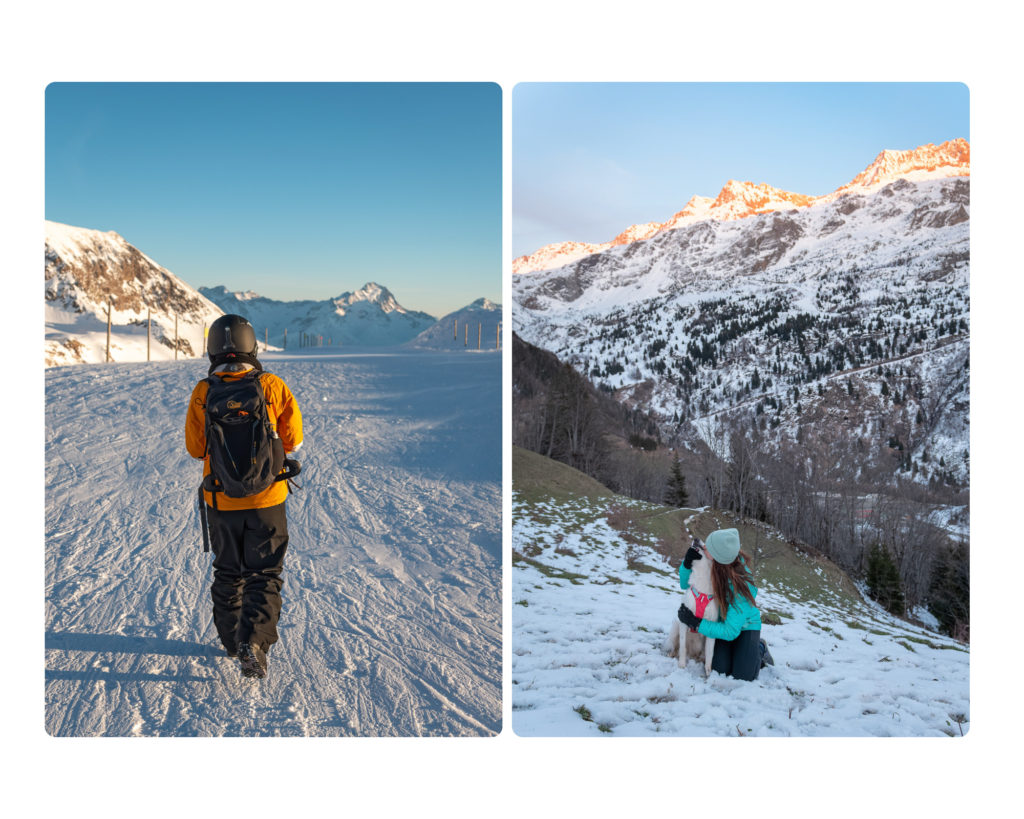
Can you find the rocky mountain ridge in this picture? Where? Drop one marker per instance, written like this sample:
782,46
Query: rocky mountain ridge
85,270
740,200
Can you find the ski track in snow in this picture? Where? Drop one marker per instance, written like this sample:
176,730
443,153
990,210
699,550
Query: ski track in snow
391,624
588,657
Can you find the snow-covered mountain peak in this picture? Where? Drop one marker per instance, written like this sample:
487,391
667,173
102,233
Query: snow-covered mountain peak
696,210
634,233
698,205
758,197
485,304
375,294
555,255
737,200
951,158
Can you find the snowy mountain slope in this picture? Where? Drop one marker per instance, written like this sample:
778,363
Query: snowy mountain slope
589,621
777,314
739,200
392,606
920,226
475,326
86,268
370,316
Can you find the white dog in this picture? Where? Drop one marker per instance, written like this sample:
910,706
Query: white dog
698,598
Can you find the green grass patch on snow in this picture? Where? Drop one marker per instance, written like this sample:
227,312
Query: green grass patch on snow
548,571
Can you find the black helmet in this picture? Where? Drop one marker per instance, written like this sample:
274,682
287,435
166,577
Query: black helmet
231,338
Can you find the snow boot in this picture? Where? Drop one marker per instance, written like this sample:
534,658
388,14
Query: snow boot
253,660
766,656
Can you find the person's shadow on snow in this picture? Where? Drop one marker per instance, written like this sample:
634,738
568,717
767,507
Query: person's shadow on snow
122,644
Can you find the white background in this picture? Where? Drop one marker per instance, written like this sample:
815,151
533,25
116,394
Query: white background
510,43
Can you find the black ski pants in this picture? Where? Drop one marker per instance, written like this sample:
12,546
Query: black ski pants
248,555
739,658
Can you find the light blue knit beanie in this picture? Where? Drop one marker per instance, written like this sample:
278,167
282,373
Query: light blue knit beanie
723,545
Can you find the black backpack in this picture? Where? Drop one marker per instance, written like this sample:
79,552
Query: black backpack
246,454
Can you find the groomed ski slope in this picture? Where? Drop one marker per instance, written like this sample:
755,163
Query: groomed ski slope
588,660
391,623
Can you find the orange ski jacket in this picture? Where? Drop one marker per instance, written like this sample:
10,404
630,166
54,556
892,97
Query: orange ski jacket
283,412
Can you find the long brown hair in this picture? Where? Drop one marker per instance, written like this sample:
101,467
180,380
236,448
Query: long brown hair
729,578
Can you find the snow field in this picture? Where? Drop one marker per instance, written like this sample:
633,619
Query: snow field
391,623
588,658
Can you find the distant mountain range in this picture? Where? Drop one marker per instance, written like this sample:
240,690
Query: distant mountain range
370,316
88,269
739,200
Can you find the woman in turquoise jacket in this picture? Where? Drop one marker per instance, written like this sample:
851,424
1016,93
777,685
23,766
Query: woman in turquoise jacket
739,650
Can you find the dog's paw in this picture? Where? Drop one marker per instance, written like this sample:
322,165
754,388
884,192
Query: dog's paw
671,644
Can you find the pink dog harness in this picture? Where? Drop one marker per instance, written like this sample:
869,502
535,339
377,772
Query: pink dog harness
700,603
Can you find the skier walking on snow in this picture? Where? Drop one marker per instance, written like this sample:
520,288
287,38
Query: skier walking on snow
243,496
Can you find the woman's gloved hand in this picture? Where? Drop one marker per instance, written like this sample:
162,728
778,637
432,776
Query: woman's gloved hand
692,554
688,618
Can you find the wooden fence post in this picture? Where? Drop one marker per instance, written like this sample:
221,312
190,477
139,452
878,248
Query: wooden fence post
456,336
108,329
479,332
175,336
149,330
497,339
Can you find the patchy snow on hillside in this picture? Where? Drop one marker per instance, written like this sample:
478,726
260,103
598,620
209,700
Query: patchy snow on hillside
588,658
391,624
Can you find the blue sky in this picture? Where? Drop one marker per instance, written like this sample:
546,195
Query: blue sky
589,159
292,190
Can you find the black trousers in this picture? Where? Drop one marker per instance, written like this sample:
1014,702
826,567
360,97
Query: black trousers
248,555
739,658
